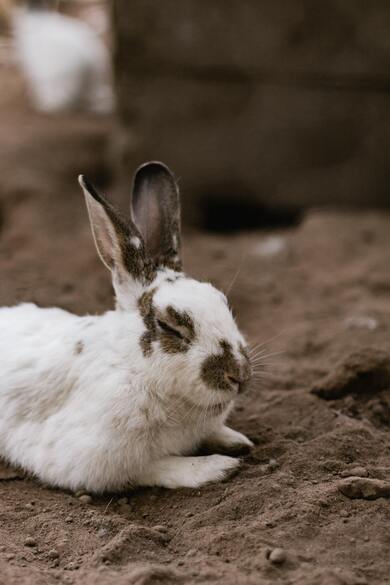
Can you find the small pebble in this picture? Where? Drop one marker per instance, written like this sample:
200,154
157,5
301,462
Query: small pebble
273,464
69,519
85,499
161,528
30,541
277,556
80,493
122,501
29,506
10,556
72,566
53,554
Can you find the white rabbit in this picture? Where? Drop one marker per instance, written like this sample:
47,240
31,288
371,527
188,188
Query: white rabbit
124,398
65,63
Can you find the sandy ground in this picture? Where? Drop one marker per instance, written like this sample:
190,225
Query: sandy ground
317,296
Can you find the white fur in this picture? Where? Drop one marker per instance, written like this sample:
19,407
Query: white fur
108,417
82,405
65,63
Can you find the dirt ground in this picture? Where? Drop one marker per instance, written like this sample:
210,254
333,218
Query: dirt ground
317,296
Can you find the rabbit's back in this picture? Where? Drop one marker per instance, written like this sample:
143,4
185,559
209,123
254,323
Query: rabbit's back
31,325
65,396
42,333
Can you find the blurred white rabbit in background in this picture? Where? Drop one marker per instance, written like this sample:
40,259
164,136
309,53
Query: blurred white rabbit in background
65,63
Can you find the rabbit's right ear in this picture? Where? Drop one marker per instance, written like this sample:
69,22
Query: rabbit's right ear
120,245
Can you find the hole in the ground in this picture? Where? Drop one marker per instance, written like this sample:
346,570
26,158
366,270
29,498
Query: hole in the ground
225,212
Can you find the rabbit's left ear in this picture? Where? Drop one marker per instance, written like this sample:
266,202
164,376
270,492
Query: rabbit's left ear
156,212
119,244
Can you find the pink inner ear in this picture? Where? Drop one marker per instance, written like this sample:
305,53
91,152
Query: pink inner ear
148,221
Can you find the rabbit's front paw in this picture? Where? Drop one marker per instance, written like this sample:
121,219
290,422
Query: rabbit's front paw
228,441
215,468
190,472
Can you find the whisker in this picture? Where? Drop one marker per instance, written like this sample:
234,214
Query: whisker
267,355
233,281
283,332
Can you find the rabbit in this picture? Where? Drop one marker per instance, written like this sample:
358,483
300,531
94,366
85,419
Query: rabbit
126,398
65,63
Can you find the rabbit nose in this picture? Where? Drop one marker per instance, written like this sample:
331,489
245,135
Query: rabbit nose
235,381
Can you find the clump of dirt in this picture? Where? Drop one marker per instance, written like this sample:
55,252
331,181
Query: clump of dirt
364,371
318,297
368,489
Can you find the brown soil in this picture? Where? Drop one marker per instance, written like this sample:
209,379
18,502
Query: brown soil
322,298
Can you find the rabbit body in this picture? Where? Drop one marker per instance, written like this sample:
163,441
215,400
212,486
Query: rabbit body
64,61
104,402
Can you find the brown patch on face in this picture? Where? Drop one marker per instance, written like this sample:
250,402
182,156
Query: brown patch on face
171,344
217,367
181,322
78,348
244,352
146,308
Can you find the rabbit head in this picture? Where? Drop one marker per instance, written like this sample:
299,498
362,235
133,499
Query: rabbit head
190,337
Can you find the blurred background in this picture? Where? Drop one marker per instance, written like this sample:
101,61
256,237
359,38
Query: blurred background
262,108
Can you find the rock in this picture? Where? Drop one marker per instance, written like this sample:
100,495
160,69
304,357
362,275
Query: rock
277,556
366,370
161,528
364,488
72,566
272,464
80,493
53,554
85,499
30,541
357,471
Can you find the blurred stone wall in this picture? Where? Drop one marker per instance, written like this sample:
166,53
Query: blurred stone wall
287,102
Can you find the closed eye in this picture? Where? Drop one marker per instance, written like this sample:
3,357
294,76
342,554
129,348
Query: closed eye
168,329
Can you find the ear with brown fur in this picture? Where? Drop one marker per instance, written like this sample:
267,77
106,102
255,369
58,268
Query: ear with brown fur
120,246
156,212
